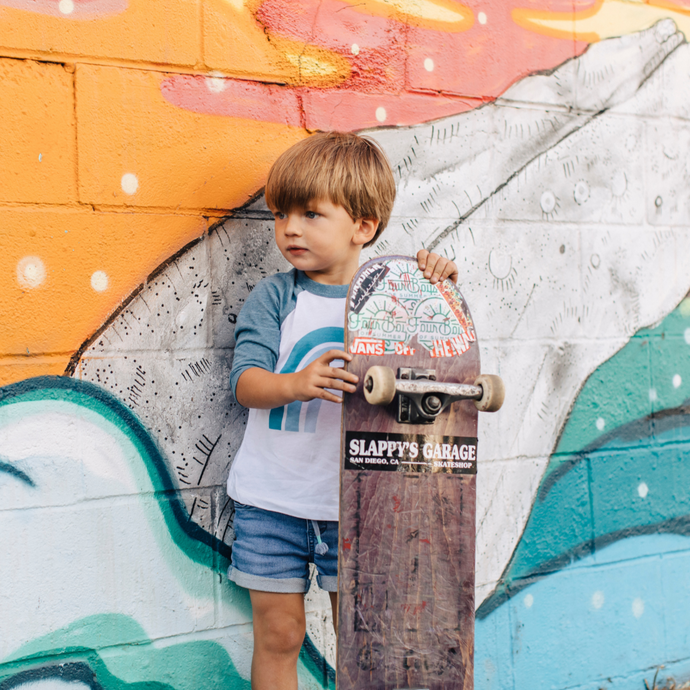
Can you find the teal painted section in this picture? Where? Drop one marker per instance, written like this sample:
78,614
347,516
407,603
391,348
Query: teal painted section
118,666
600,570
597,592
197,544
115,647
590,489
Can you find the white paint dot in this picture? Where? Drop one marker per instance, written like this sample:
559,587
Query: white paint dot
677,380
215,82
528,601
598,599
686,334
31,272
638,607
601,423
652,395
643,490
381,114
99,281
548,201
66,6
355,49
129,183
40,157
482,18
429,65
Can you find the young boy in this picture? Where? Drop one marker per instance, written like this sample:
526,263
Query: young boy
331,195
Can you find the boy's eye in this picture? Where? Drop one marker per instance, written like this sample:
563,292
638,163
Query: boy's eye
279,215
311,214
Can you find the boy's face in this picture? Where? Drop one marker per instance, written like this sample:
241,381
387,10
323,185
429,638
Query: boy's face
322,240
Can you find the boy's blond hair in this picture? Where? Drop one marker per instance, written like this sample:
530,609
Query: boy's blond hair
346,169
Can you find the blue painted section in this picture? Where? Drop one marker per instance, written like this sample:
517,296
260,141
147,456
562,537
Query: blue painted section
597,592
602,620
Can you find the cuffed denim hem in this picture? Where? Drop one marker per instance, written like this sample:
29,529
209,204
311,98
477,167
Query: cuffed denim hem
288,585
328,583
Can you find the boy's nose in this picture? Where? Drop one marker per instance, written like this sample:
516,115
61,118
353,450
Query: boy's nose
292,226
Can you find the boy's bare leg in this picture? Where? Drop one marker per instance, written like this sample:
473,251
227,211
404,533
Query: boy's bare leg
279,628
334,606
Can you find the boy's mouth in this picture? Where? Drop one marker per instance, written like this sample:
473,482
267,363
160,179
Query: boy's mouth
294,249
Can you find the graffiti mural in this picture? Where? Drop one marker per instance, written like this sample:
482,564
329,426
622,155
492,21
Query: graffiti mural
541,145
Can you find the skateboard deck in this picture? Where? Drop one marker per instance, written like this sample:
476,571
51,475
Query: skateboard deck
407,501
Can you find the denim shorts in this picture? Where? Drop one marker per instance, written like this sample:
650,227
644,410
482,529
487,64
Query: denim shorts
272,551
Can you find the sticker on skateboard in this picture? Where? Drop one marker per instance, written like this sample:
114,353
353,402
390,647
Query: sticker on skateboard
392,303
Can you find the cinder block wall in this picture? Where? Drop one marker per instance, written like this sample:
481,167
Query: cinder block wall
542,145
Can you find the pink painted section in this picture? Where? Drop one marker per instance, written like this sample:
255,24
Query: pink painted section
323,109
413,74
348,110
82,9
245,99
479,63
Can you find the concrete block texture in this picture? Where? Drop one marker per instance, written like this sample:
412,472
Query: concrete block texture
541,146
37,111
163,32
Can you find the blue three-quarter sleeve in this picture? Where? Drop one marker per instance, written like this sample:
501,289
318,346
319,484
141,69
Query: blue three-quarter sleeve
257,332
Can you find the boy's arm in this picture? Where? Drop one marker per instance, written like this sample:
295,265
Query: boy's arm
435,267
265,390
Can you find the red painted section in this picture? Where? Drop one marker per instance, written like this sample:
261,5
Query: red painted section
75,9
412,74
342,109
323,108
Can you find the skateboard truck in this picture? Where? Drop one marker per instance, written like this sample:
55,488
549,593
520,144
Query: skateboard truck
421,398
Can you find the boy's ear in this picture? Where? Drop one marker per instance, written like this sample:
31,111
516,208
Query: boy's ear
366,230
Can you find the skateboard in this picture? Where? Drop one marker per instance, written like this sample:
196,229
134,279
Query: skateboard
408,476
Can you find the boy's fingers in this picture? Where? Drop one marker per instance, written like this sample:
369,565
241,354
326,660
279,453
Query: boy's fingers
451,272
329,356
336,373
422,255
338,385
434,266
327,395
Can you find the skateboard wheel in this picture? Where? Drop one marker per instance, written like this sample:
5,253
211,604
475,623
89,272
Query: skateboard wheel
493,392
379,385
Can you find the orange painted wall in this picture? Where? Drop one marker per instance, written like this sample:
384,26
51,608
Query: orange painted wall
130,126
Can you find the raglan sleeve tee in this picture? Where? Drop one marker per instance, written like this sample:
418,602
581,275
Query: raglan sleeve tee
289,458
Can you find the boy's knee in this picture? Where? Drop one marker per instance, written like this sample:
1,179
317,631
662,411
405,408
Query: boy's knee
282,634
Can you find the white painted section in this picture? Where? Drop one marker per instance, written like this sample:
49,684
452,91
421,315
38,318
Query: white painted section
563,249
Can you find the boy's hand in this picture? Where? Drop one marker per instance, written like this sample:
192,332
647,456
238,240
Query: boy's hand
312,381
265,390
436,267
